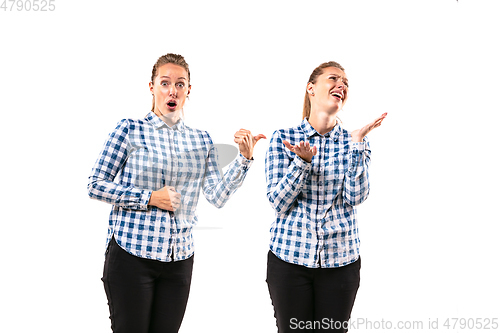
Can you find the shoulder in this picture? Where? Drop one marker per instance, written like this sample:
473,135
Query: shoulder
289,134
197,134
121,129
131,124
195,131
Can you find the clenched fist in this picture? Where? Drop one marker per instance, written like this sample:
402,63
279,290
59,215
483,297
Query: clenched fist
166,198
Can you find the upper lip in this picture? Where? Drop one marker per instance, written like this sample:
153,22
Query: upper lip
339,93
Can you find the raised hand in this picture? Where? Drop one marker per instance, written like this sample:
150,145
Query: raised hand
359,134
304,150
246,142
166,198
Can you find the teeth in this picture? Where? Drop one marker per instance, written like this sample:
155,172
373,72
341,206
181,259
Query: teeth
338,95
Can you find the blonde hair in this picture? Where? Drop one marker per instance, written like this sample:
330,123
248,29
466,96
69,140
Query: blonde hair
312,79
169,58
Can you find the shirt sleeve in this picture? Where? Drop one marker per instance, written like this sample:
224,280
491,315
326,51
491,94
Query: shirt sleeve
284,175
111,160
356,182
217,188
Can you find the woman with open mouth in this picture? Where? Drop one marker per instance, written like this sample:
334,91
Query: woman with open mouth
152,171
317,173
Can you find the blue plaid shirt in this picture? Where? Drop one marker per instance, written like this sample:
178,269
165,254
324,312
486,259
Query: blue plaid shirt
142,156
316,223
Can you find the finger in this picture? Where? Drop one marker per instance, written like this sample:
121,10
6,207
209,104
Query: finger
314,150
258,137
245,136
238,135
288,145
382,117
379,122
243,131
240,138
246,139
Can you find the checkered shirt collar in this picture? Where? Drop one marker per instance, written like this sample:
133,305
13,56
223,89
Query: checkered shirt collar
310,131
158,123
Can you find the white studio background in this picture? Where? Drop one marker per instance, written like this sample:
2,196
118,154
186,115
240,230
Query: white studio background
429,229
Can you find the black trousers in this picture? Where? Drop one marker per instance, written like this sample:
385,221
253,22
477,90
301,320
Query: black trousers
145,296
312,299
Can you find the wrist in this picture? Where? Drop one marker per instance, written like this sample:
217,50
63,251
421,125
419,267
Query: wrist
246,155
151,201
303,158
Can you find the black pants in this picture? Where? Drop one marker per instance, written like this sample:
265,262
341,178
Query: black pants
145,296
312,299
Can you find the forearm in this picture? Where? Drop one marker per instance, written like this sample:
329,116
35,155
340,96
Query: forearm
356,182
282,193
218,189
123,196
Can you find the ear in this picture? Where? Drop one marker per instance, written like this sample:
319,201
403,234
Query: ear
189,90
310,88
151,87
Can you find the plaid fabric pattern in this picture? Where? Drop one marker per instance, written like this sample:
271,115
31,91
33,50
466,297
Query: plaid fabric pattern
142,156
315,223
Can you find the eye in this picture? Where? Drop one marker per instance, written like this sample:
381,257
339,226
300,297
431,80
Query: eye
180,85
164,83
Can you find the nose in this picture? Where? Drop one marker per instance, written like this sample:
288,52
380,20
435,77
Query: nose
172,91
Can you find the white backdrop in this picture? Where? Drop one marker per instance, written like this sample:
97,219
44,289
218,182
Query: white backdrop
429,230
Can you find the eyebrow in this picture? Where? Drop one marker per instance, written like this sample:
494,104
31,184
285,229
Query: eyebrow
168,77
339,76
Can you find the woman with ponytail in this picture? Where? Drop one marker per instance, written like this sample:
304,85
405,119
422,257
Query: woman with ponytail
317,173
152,171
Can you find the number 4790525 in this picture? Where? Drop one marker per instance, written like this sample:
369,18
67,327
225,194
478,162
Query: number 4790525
28,5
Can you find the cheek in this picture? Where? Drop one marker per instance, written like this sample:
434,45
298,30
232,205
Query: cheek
163,90
182,100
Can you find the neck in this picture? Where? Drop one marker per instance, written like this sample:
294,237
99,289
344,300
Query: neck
170,118
323,122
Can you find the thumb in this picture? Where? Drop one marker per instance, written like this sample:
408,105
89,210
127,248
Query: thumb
258,137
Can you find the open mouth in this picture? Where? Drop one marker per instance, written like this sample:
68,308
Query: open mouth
171,104
340,96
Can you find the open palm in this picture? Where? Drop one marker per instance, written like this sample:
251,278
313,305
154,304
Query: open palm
359,134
